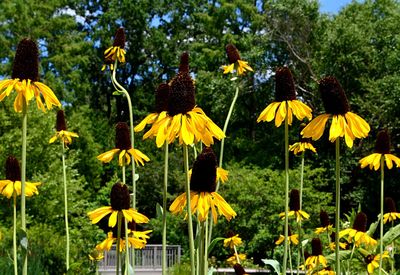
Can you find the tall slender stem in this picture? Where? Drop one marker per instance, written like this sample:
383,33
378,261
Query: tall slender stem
23,180
285,254
337,213
381,217
189,212
301,180
206,247
164,213
65,206
118,240
126,247
236,254
15,233
290,259
201,249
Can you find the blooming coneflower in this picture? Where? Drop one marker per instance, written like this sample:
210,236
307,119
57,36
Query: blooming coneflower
116,51
185,120
294,207
235,61
391,212
232,260
25,79
285,103
316,258
96,256
325,223
358,231
61,130
344,123
120,203
12,183
332,244
373,261
202,190
382,150
124,148
232,240
291,238
302,145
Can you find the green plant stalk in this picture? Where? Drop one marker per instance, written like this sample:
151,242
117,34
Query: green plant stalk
23,180
164,214
118,239
65,206
300,252
126,247
221,153
381,218
15,234
301,180
337,214
206,247
236,254
290,259
351,257
285,254
392,254
188,207
201,249
121,89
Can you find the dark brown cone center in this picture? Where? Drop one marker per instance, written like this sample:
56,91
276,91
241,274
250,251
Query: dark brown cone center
61,125
382,145
360,222
333,96
119,39
26,61
324,218
13,171
181,99
119,196
184,64
239,270
390,205
316,247
284,85
162,96
122,136
204,172
232,53
294,203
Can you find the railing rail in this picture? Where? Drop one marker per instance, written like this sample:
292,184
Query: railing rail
148,257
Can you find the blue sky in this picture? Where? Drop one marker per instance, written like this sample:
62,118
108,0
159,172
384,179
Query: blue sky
333,6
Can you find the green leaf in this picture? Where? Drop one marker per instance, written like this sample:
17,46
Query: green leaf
159,210
274,263
343,255
391,235
372,227
117,93
211,271
213,243
21,234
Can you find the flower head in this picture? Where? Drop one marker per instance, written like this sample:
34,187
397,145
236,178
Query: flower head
96,255
317,258
294,207
232,240
302,145
61,127
358,232
25,80
236,63
117,51
292,238
391,213
326,224
12,184
120,202
382,150
344,123
202,190
137,240
373,261
285,103
124,148
232,260
239,270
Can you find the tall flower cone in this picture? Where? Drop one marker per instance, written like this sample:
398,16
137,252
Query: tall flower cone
282,110
25,82
358,232
316,259
377,159
116,51
344,124
66,139
236,63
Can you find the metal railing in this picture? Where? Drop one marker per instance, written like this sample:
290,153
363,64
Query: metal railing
148,257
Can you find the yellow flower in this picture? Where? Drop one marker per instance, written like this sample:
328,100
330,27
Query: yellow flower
96,255
232,260
314,261
300,147
325,271
235,61
300,215
201,203
129,214
320,230
294,207
358,236
137,241
65,136
344,123
291,239
233,241
389,217
332,246
373,261
8,187
116,52
222,175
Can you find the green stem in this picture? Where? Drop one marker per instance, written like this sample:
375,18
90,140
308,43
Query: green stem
65,206
301,181
126,247
351,257
337,214
164,216
290,259
23,180
121,89
118,240
392,254
206,248
188,207
201,249
300,250
285,254
236,254
381,218
15,234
